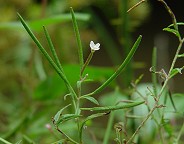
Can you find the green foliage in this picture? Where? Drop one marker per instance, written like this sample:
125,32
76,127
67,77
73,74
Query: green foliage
122,115
59,117
111,108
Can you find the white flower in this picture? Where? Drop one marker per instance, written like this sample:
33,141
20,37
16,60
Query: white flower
94,47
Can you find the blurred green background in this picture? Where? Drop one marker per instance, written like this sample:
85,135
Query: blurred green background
30,90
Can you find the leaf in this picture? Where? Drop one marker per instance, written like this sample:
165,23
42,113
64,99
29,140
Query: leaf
52,49
178,94
77,34
66,117
4,141
89,118
58,114
120,68
175,32
176,71
178,23
139,79
37,24
171,99
154,75
91,99
50,60
117,107
181,55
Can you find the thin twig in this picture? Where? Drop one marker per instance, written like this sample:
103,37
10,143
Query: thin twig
167,78
136,5
171,14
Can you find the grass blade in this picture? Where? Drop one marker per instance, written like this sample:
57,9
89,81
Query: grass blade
77,34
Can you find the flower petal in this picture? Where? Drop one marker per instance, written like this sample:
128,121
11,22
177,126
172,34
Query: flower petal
97,45
94,46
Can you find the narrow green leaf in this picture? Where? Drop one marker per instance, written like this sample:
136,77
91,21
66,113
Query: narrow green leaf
66,117
181,55
52,49
177,140
37,24
178,23
4,141
117,107
137,81
44,52
77,34
176,71
91,99
175,32
178,95
88,118
121,67
172,101
58,114
41,48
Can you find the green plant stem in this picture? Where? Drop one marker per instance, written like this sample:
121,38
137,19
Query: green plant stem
154,77
171,14
141,125
160,93
168,76
85,120
116,107
109,127
4,141
119,70
86,63
176,56
69,138
179,134
136,5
